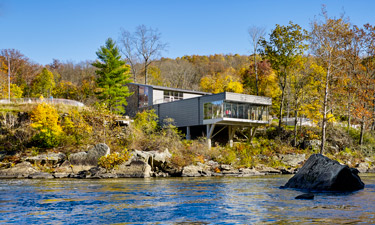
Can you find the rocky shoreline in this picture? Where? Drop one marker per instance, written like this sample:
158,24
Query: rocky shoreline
141,165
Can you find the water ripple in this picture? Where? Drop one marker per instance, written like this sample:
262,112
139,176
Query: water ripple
253,200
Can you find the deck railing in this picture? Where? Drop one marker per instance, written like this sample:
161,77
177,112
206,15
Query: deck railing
46,100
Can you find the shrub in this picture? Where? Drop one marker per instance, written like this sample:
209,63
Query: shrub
145,134
46,121
75,127
112,160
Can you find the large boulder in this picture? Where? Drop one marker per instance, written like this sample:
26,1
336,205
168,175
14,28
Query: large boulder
50,158
133,168
292,159
323,174
91,157
199,170
21,170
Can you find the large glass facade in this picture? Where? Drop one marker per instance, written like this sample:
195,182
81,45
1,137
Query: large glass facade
221,109
142,96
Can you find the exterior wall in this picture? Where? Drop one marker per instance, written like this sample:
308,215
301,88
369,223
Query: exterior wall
132,108
229,96
184,112
158,96
190,95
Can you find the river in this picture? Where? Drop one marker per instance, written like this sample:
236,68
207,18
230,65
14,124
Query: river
213,200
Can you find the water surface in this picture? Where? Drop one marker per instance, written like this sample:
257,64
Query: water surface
223,200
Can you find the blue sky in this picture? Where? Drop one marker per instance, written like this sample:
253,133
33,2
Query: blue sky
74,29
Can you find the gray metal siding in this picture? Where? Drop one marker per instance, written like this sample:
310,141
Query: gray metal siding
184,112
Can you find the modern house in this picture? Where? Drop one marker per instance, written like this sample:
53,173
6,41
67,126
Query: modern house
202,111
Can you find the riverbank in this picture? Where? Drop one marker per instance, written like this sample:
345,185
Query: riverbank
144,149
142,164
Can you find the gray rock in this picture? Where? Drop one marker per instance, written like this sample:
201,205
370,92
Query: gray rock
199,170
362,167
267,170
159,159
224,167
138,169
50,158
323,174
61,175
40,175
21,170
91,157
307,196
246,172
292,159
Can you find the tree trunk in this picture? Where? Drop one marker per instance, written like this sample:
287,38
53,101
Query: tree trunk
146,72
256,74
324,122
349,113
282,101
362,131
281,107
295,127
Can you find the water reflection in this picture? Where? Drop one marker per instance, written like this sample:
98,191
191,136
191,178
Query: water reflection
254,200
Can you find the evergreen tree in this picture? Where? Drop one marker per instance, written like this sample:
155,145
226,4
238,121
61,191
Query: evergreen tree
113,77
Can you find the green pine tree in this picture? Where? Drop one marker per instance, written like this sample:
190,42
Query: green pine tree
113,77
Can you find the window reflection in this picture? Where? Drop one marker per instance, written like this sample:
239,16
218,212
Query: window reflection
142,96
170,96
221,109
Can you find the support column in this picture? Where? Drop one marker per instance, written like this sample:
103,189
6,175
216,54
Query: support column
231,131
210,130
188,136
252,133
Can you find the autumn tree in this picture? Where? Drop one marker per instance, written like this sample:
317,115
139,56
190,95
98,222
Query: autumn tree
22,70
113,77
255,34
284,45
45,120
267,82
220,82
327,45
364,75
178,73
142,46
43,84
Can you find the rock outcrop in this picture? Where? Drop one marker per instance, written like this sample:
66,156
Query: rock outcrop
50,159
135,168
199,170
323,174
91,157
21,170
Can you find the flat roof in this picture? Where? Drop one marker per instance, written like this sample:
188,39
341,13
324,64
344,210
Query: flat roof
172,89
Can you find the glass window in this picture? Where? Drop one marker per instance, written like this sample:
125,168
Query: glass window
207,111
241,111
142,96
170,96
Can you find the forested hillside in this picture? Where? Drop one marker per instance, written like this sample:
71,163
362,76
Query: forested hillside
325,73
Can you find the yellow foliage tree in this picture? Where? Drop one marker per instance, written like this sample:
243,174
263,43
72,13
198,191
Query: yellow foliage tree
221,82
15,91
45,120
